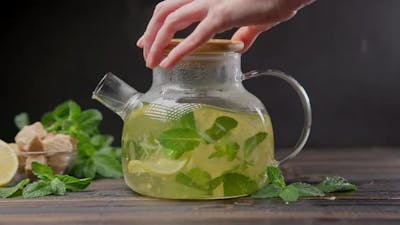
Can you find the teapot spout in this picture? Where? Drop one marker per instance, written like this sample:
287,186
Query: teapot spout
116,95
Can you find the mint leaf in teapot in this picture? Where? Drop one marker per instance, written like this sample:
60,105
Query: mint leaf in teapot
335,184
195,178
21,120
252,142
221,126
228,149
187,121
236,184
177,141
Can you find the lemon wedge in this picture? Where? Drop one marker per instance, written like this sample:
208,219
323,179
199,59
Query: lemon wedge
8,163
161,166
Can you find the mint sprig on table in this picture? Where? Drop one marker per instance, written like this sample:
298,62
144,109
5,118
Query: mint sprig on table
95,156
277,187
47,184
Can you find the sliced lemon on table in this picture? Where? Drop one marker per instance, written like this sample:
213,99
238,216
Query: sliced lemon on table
161,166
8,163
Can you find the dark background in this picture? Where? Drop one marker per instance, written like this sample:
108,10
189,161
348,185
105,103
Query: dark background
346,53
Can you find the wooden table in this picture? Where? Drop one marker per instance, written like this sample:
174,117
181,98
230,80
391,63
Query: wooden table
376,171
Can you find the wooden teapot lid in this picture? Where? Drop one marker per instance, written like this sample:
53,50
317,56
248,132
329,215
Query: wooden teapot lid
211,46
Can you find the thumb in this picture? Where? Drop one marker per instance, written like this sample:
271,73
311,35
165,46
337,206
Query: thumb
247,35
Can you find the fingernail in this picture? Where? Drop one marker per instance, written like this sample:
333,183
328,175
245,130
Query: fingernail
139,43
149,62
148,65
163,63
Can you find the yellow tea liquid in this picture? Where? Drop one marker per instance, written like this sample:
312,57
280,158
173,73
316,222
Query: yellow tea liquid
196,151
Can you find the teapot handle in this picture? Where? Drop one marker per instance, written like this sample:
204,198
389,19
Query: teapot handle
304,101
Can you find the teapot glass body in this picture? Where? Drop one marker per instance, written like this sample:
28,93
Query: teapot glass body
197,133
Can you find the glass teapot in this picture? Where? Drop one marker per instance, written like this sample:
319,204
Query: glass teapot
197,133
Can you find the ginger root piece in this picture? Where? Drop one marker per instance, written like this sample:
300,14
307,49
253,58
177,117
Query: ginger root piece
29,138
59,142
63,144
58,162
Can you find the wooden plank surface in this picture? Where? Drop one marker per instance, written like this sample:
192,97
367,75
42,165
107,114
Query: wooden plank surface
376,172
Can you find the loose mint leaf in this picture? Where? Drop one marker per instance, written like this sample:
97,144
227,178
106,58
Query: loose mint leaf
73,183
101,141
289,194
252,142
114,152
64,115
178,141
275,176
224,148
21,120
83,167
42,172
268,191
47,120
12,191
37,189
85,149
58,187
307,190
335,184
221,127
74,111
195,178
68,118
187,121
236,184
61,112
89,121
107,166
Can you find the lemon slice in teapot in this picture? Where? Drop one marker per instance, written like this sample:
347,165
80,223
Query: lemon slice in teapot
8,163
161,166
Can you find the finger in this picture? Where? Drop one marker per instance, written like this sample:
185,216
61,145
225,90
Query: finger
248,35
203,32
162,10
178,20
139,43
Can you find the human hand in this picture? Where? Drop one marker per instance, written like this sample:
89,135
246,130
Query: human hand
251,16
